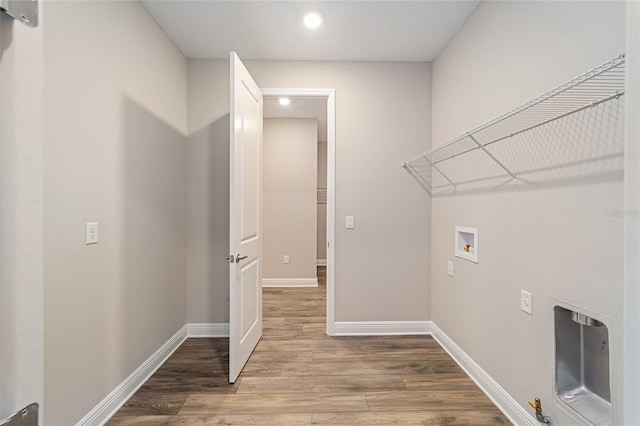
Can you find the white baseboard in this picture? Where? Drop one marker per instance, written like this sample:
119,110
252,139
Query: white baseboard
290,282
505,402
321,262
208,329
106,408
379,328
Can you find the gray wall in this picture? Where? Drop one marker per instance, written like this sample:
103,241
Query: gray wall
553,239
289,197
322,205
21,146
208,192
383,117
115,152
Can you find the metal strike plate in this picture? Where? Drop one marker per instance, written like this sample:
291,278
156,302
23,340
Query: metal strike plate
28,416
25,11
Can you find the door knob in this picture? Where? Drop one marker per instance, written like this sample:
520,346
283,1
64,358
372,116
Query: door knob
239,258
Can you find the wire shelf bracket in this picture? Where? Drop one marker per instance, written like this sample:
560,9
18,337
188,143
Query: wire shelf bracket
498,162
597,86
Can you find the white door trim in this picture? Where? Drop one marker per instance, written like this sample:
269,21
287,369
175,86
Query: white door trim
330,96
21,218
630,412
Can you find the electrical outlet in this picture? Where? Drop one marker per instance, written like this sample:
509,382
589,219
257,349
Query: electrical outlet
286,258
450,268
526,302
92,233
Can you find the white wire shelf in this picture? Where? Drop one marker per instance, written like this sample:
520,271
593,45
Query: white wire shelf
435,170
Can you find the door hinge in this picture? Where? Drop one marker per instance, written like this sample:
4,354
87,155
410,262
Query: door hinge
25,11
28,416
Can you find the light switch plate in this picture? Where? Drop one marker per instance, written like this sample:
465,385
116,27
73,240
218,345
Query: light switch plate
526,302
349,223
285,258
92,233
450,268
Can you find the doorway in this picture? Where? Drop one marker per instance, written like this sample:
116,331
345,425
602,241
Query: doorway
327,193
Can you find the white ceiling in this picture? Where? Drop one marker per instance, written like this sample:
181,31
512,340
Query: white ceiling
300,107
358,30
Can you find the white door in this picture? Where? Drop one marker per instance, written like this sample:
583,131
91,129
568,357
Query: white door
245,215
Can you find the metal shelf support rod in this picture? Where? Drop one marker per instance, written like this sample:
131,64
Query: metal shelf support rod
440,171
418,177
515,179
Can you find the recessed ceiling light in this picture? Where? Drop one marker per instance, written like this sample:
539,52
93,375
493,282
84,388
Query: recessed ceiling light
284,101
313,20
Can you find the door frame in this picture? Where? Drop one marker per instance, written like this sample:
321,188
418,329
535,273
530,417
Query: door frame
631,319
21,217
330,96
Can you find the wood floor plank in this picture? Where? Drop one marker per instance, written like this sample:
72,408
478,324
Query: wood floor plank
282,332
387,342
274,320
364,355
355,368
316,331
277,384
321,384
190,384
294,344
409,418
193,369
205,358
245,419
193,349
282,356
276,403
360,342
320,319
282,329
426,400
261,369
149,403
445,366
141,421
436,382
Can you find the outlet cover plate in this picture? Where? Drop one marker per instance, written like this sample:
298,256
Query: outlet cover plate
526,302
450,268
92,233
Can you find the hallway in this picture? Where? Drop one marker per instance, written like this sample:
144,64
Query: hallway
299,375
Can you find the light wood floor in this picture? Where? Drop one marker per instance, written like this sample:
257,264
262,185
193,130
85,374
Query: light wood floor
299,376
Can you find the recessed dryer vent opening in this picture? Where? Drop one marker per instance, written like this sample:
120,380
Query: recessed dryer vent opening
582,365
